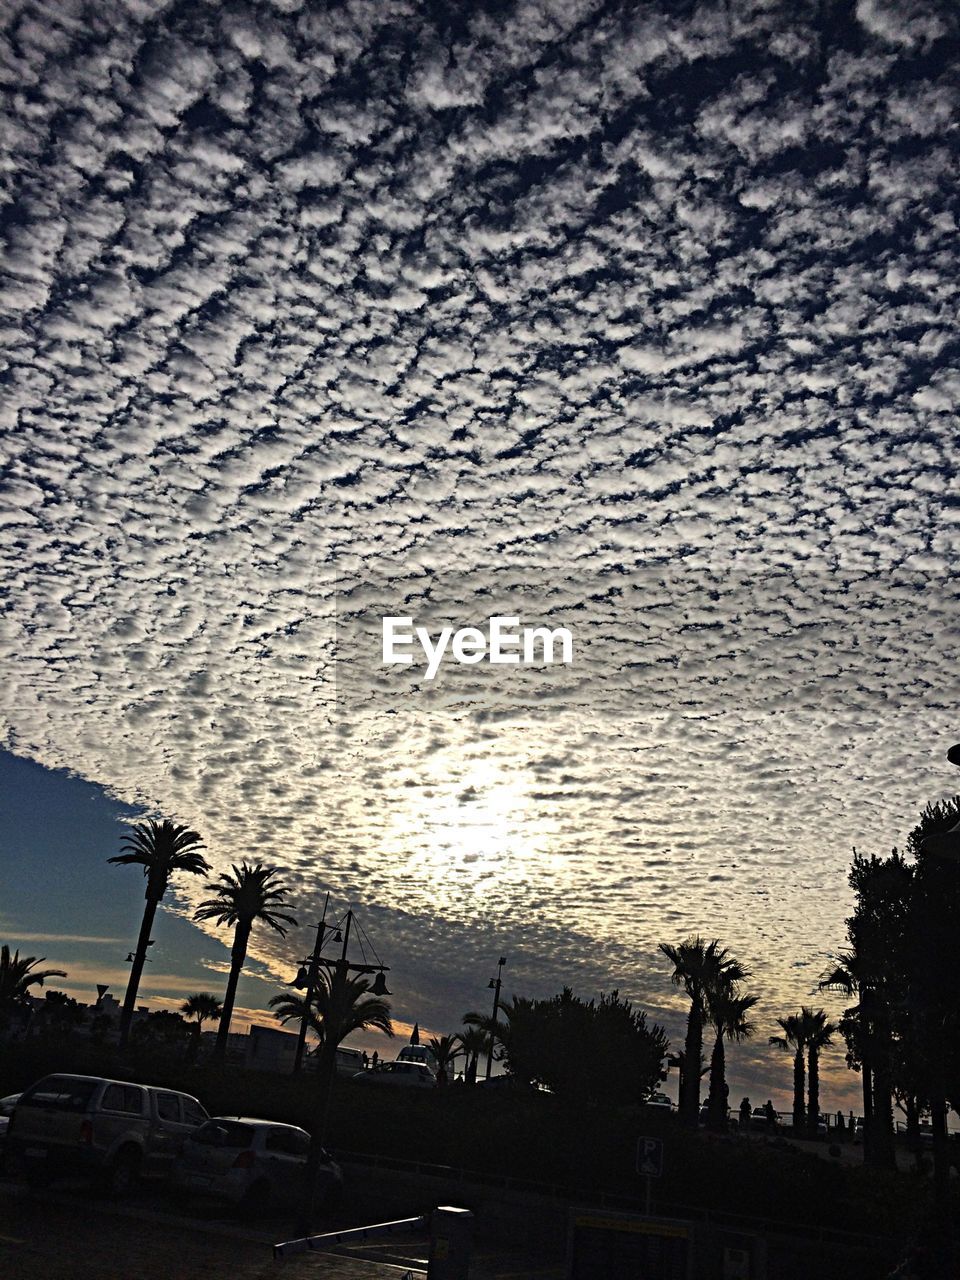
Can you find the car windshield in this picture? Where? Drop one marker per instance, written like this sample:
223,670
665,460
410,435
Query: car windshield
64,1093
224,1133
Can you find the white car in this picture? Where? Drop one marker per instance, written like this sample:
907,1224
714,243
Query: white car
257,1164
418,1053
406,1075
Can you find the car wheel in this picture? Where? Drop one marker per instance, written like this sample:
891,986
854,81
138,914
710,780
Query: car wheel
256,1199
124,1172
332,1198
36,1174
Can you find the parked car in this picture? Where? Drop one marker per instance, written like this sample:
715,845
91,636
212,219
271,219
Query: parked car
407,1075
252,1163
418,1053
113,1130
659,1100
7,1105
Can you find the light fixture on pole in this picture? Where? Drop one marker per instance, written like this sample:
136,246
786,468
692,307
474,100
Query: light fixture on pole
945,844
306,981
339,972
494,986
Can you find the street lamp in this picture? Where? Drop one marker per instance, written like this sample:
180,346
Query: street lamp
339,971
494,986
306,981
309,971
946,844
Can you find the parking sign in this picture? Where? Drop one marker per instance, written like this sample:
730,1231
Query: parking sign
650,1157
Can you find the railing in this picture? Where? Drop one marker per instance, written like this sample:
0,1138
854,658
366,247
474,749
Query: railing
450,1231
330,1239
564,1193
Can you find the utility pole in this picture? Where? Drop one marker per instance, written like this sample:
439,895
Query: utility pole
339,971
311,981
495,984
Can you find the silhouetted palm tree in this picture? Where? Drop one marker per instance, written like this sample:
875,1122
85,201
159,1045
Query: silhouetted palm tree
202,1008
700,968
336,1009
446,1050
243,896
473,1041
727,1011
792,1041
17,975
867,1030
163,849
817,1033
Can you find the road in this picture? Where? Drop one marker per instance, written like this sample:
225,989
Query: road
76,1234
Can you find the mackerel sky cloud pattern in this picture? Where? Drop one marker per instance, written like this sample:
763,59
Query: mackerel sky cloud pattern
649,310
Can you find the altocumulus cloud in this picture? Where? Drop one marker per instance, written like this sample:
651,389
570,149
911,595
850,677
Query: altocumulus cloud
649,312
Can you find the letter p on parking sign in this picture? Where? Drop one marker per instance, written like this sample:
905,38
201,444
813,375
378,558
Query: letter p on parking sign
650,1157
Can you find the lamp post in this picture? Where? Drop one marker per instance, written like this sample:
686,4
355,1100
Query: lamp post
339,971
306,981
495,984
946,844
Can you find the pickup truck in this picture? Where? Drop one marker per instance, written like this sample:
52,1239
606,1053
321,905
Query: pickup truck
113,1130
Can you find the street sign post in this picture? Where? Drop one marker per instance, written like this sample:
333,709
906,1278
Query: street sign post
649,1162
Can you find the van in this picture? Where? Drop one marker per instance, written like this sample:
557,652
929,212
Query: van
112,1130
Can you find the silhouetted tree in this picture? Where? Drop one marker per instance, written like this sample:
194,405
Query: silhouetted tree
700,968
727,1010
446,1050
499,1030
792,1042
201,1007
817,1033
17,975
163,850
336,1009
589,1051
930,1008
473,1041
62,1013
161,1029
876,967
242,897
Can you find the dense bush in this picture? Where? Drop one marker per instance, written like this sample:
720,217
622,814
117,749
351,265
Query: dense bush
585,1050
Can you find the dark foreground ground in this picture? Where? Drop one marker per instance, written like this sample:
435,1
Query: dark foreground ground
74,1234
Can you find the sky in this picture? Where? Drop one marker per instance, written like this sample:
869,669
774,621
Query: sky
639,319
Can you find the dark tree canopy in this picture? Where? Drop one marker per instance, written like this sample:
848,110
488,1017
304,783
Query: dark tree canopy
589,1050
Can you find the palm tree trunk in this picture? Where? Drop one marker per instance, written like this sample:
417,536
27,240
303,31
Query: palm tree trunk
867,1073
882,1152
690,1104
136,971
813,1085
238,954
717,1108
799,1082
